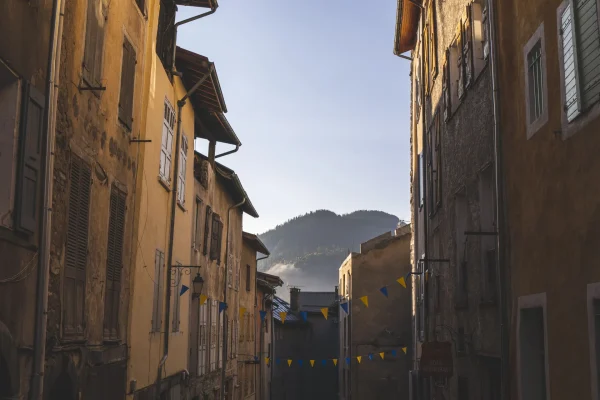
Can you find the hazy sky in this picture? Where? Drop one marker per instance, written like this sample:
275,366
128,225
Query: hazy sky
318,100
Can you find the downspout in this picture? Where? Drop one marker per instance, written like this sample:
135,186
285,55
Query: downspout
185,21
237,147
225,320
180,104
501,271
41,316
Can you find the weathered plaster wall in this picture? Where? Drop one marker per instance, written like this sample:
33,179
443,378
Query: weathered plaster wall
551,201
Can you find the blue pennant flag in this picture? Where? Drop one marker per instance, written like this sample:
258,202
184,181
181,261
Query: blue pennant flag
324,362
345,307
183,289
263,315
370,356
407,276
255,358
222,306
304,315
384,291
394,353
300,362
278,361
348,360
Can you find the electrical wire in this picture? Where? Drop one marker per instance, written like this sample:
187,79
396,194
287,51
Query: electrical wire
23,273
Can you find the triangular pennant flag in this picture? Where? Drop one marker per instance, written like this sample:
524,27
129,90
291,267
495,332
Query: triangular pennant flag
384,291
404,350
300,362
255,358
344,307
324,362
242,312
282,315
394,353
370,356
365,300
183,289
401,281
359,358
382,355
426,275
263,315
203,299
335,361
289,363
325,311
304,316
348,360
267,359
222,306
312,363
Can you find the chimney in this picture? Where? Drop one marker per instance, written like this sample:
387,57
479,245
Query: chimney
295,299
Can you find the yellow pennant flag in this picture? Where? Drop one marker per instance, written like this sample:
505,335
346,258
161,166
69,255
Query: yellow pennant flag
365,300
335,361
404,350
359,358
282,315
325,312
401,281
312,363
242,312
289,363
267,359
426,275
203,299
382,354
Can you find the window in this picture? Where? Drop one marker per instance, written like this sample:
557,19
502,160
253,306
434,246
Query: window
480,35
214,334
167,142
114,262
207,219
421,173
197,224
460,61
182,170
165,37
159,272
467,43
222,331
176,289
204,339
434,164
29,162
76,247
127,85
446,94
216,238
463,388
248,278
536,92
430,47
97,14
531,348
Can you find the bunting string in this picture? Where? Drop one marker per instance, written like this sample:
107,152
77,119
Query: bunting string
334,361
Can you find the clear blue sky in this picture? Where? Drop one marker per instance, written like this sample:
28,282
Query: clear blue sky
318,100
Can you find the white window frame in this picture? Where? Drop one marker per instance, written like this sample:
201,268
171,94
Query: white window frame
480,44
214,335
182,170
534,126
533,301
584,118
593,293
166,144
204,341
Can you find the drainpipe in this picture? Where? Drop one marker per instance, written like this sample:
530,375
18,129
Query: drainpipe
225,320
501,271
180,104
237,147
185,21
41,317
262,332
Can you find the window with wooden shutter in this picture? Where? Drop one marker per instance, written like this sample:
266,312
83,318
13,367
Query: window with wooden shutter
166,146
176,321
216,235
426,60
197,225
182,170
433,64
460,61
114,262
446,92
207,220
30,161
430,146
468,49
165,36
94,42
204,339
248,277
421,172
214,334
127,84
157,309
76,248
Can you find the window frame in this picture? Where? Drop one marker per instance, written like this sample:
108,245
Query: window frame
128,72
93,78
196,244
248,276
166,148
181,178
535,125
593,293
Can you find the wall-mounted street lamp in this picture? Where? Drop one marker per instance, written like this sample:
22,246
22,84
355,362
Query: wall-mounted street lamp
197,282
197,285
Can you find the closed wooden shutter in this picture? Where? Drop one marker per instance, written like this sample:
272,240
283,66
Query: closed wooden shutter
29,167
215,239
468,48
570,64
127,84
438,159
460,61
446,93
94,42
114,262
588,46
206,229
76,248
432,41
197,224
165,37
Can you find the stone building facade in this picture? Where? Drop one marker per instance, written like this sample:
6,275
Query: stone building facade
453,192
385,326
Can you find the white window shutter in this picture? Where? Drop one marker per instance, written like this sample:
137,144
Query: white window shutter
570,64
182,170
